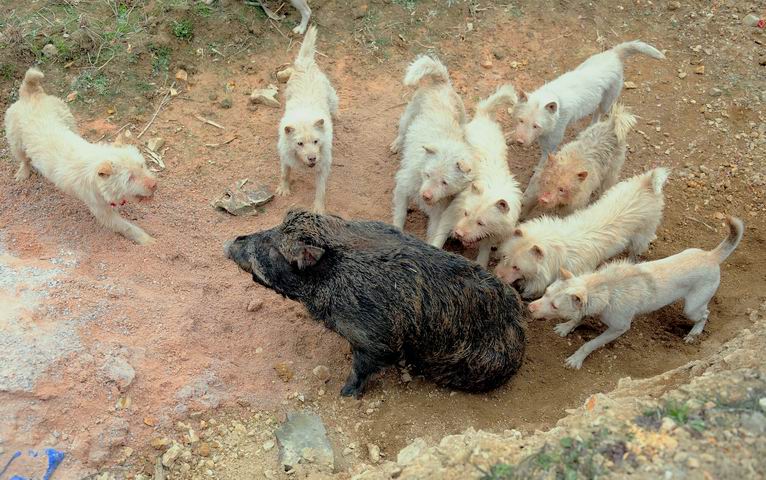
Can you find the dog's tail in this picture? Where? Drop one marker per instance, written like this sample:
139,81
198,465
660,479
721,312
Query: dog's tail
305,56
32,83
622,121
425,67
504,94
625,50
655,179
725,248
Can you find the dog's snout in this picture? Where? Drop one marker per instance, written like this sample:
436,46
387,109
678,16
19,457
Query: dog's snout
427,196
459,234
519,141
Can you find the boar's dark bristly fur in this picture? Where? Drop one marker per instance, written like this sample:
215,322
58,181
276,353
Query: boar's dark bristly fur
391,296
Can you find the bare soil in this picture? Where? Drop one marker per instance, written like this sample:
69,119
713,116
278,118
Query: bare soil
177,310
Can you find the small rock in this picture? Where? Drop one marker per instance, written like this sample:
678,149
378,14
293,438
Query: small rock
700,70
119,371
630,86
155,144
150,421
682,75
498,54
203,450
360,11
322,373
668,425
751,20
754,422
71,97
409,453
268,445
160,443
265,96
673,6
284,74
284,372
762,403
715,92
50,50
693,462
170,456
225,103
182,75
255,305
487,63
374,452
303,438
406,377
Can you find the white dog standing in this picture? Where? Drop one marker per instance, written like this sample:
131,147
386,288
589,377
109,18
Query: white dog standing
626,217
592,87
305,132
437,163
619,291
486,212
41,133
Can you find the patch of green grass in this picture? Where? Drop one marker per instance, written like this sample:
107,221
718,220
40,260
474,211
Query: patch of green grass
678,412
87,82
203,10
7,71
408,4
499,471
160,58
183,30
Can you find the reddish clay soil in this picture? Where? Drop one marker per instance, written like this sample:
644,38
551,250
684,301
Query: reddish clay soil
177,310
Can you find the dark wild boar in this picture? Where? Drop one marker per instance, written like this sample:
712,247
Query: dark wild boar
392,297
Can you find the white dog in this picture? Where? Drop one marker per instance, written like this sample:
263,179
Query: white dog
305,132
625,217
592,87
437,162
584,168
40,130
486,212
619,291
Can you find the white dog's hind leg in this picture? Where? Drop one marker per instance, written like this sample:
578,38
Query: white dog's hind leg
611,333
303,7
24,162
112,220
696,309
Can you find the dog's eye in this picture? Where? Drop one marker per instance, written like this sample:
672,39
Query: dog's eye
480,223
521,121
466,213
553,305
300,144
444,182
316,141
561,190
535,126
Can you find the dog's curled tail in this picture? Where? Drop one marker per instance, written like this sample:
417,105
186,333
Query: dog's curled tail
425,67
623,122
504,94
725,248
625,50
32,83
305,56
655,179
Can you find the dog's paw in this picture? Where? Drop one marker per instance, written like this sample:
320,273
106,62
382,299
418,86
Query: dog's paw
146,240
691,338
299,30
394,147
22,174
319,209
562,329
574,362
283,191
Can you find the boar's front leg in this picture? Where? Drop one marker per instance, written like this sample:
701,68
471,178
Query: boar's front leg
365,364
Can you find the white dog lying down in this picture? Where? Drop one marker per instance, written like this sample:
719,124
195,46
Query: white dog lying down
626,217
41,133
305,131
585,168
437,163
592,87
619,291
486,212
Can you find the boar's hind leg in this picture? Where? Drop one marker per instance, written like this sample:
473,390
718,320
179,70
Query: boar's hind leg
365,364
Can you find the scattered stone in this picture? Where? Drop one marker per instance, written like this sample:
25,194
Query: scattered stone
751,20
160,443
715,92
155,144
119,371
71,97
284,74
284,372
159,472
700,70
762,403
255,305
406,377
150,421
498,54
360,11
303,439
265,96
182,75
410,452
268,445
50,50
322,373
487,63
681,75
171,455
226,103
203,450
630,86
754,423
238,201
693,462
673,6
374,452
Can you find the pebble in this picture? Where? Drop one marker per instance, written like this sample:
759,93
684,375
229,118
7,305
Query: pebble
50,50
322,373
681,75
673,6
693,463
284,74
268,445
715,92
700,70
762,403
226,103
751,20
155,144
160,443
182,75
170,456
487,63
374,452
406,377
284,372
498,54
255,305
409,453
265,96
630,86
360,11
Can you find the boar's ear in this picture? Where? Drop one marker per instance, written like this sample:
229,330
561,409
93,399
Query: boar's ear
565,274
289,129
579,299
105,169
463,166
302,255
431,150
518,233
552,107
502,205
582,175
536,251
319,124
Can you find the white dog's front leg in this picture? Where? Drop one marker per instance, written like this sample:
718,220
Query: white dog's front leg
400,205
284,179
611,333
321,187
112,220
434,217
303,7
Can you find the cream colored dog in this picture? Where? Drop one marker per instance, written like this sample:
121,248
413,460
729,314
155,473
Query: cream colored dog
626,217
619,291
305,131
41,133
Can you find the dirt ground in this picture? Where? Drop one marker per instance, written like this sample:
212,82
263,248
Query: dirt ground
76,297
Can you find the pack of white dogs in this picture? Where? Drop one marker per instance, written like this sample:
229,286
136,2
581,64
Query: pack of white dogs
455,170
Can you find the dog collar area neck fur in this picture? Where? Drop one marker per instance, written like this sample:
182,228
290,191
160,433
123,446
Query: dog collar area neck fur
122,202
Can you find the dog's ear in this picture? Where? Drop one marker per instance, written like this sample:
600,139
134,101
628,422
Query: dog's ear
475,187
502,205
552,107
579,299
537,251
523,96
319,124
463,166
289,129
431,150
582,175
105,169
302,255
565,274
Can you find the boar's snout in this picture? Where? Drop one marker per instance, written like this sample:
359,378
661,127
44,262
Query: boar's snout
227,248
